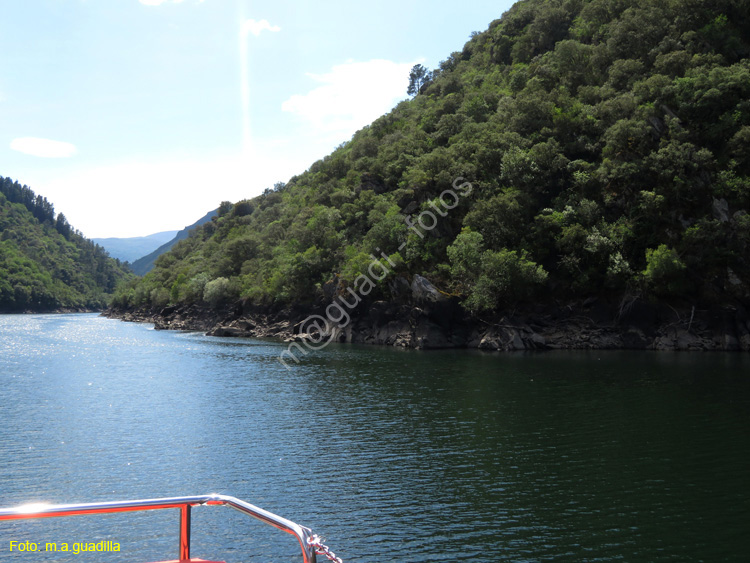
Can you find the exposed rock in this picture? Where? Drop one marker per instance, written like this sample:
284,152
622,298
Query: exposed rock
331,288
720,210
423,291
394,331
226,331
537,341
732,278
489,342
399,288
730,343
437,321
633,338
657,125
429,335
410,208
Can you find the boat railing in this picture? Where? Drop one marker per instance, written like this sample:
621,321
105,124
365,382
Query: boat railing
306,539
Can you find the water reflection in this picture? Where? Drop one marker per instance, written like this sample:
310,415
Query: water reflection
418,456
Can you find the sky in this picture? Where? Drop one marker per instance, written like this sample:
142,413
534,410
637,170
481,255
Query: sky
139,116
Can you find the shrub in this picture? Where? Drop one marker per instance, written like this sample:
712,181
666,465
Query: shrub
196,287
465,255
159,297
506,278
664,271
216,291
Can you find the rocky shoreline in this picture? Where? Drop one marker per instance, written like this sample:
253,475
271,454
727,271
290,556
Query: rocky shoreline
429,320
58,311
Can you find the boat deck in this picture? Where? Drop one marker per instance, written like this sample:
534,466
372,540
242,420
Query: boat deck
189,561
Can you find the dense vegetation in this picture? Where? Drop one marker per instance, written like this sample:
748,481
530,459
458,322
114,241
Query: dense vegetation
607,143
45,264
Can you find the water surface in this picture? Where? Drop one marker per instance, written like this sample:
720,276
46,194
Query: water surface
393,455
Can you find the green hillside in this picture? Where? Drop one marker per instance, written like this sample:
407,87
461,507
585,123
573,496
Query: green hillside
580,148
45,264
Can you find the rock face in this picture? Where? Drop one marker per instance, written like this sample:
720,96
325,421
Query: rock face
424,292
420,316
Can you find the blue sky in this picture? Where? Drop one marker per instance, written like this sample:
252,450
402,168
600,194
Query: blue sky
138,116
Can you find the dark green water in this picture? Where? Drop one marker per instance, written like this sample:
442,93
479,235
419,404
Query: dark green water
392,455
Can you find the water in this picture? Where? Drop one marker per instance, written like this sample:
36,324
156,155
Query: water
393,455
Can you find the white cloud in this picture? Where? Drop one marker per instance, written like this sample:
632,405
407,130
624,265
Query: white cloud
142,197
351,95
256,27
44,148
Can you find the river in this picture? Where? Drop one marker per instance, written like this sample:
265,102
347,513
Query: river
392,455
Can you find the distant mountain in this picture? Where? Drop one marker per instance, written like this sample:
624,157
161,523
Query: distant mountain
131,248
45,264
142,266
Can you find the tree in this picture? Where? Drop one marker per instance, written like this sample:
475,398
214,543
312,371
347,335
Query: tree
506,278
216,291
592,132
465,255
664,273
419,77
224,208
62,226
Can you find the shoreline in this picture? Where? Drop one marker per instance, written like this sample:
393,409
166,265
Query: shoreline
62,311
589,325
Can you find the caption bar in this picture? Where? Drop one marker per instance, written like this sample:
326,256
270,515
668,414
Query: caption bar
64,547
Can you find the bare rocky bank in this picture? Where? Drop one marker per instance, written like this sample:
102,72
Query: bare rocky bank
426,319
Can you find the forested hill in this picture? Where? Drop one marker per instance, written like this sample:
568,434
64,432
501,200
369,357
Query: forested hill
607,148
45,264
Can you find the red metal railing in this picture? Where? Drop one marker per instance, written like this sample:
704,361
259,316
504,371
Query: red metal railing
303,535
